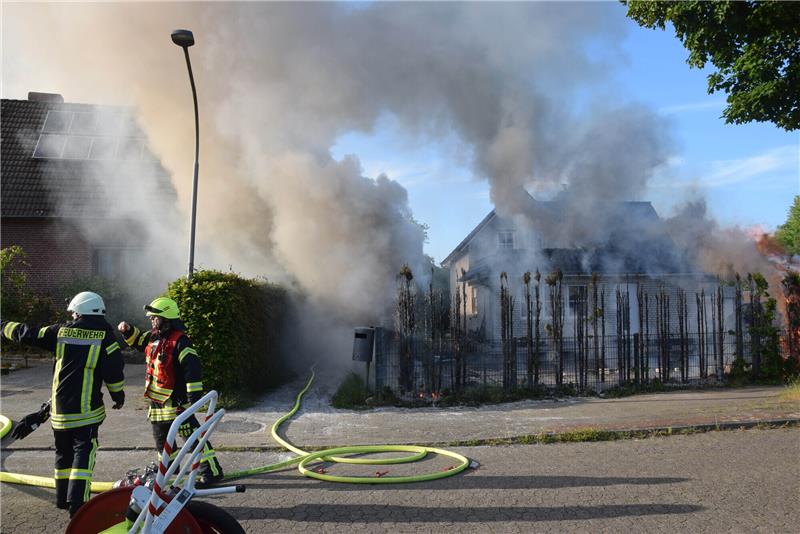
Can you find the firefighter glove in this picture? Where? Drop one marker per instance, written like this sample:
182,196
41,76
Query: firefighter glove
118,397
31,422
185,430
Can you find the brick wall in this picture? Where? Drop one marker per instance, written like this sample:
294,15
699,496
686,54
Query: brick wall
55,250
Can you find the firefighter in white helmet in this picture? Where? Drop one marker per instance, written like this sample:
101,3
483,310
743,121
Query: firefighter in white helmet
87,355
173,378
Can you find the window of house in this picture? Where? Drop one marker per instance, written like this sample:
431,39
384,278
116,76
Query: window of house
114,263
522,305
107,263
577,299
505,239
473,300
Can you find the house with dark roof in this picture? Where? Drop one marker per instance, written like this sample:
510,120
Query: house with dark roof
619,246
68,175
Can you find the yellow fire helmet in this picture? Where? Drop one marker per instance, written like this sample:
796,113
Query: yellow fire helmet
163,307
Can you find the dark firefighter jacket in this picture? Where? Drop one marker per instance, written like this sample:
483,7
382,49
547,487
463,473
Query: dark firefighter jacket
87,354
183,375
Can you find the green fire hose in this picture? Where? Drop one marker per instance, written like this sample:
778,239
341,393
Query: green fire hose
302,460
5,426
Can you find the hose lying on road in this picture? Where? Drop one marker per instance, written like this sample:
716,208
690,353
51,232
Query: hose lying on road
5,426
329,455
33,480
302,460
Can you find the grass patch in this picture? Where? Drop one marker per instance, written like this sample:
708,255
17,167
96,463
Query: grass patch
792,391
631,388
583,435
476,396
352,393
238,400
656,386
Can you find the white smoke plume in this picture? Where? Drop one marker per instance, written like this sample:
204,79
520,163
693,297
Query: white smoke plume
278,84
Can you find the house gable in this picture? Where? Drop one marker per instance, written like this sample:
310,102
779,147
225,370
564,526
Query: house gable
633,241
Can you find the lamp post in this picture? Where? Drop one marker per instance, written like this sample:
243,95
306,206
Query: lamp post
185,39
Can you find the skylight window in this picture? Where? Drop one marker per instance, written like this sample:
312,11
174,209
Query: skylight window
57,122
49,146
101,135
83,123
77,147
103,148
108,123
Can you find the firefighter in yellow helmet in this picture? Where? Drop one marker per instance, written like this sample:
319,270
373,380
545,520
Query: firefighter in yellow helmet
173,378
87,355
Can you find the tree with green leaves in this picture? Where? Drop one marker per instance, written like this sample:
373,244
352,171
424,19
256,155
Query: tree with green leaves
788,234
755,46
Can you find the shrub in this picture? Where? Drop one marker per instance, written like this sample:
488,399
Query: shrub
352,393
235,324
19,302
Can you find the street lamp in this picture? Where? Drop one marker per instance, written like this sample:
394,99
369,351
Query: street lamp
185,39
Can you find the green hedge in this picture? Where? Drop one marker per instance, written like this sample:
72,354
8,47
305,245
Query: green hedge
234,324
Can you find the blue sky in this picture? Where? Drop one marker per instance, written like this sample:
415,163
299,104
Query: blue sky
748,174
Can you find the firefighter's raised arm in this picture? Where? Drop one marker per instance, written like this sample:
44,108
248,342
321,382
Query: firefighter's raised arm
44,337
134,337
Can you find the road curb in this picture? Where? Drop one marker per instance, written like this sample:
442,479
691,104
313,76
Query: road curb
567,436
602,434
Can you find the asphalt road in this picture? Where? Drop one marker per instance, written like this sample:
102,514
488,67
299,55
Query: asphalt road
733,481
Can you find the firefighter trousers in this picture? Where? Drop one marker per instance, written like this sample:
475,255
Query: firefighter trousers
209,464
76,452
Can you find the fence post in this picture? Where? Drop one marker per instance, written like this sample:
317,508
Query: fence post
379,363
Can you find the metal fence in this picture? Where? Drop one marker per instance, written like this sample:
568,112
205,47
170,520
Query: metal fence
415,368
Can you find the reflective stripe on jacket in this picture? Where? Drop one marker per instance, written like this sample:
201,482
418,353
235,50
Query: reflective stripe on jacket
182,383
86,355
160,367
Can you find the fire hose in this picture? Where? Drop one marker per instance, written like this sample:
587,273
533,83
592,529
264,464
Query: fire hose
5,426
303,459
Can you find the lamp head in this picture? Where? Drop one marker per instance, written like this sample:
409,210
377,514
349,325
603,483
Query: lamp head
183,38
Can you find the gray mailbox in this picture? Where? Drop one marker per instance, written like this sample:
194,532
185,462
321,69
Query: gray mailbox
363,344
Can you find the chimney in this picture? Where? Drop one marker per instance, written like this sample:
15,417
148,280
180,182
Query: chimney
54,98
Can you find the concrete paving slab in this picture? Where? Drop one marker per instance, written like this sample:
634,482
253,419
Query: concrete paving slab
319,425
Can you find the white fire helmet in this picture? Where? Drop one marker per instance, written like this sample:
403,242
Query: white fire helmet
87,303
